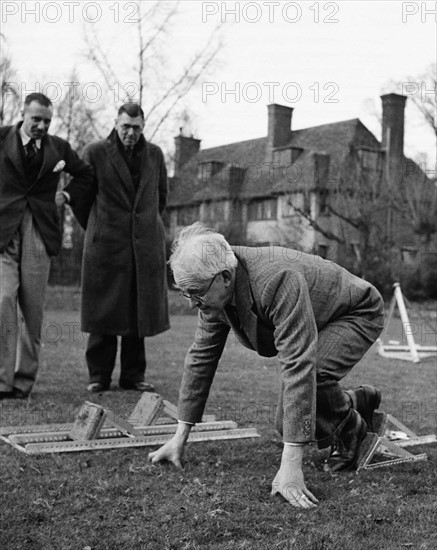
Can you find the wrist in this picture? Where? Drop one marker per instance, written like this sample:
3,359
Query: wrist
292,453
182,431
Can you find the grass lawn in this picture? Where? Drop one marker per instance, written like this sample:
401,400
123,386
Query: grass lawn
111,500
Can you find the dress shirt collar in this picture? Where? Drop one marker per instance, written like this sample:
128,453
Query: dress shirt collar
25,139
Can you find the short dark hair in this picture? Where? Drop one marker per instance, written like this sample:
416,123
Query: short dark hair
131,109
39,98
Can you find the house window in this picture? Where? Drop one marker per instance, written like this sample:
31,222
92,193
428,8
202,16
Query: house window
323,207
295,204
206,170
186,215
282,157
287,209
286,157
370,159
409,254
217,211
264,209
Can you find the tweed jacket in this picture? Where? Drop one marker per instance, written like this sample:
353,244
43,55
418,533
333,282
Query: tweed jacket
16,194
283,299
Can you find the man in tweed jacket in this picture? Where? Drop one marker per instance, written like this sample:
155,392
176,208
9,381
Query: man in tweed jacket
314,315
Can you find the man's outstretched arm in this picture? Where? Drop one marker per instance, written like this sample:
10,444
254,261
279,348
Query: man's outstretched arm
173,450
200,365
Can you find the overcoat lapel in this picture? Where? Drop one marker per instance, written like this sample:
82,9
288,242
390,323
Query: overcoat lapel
13,146
146,171
119,163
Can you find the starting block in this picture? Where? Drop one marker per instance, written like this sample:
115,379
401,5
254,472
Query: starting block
386,446
97,428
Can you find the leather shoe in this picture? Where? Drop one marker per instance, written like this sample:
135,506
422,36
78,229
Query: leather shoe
97,387
20,394
365,400
138,386
14,394
6,394
345,451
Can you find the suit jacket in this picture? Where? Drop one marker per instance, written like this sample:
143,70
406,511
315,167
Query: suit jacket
283,298
124,277
39,196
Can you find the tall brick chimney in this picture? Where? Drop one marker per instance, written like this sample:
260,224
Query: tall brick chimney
279,126
185,149
393,106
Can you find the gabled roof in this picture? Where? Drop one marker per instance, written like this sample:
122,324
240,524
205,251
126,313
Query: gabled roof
261,179
241,153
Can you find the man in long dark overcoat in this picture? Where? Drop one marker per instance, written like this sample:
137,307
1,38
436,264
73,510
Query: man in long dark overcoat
124,285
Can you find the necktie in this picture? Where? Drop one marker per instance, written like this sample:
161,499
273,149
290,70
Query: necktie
31,149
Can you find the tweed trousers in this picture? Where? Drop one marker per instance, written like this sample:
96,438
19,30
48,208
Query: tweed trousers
24,272
340,345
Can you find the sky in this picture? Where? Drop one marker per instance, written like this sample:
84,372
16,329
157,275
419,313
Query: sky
330,61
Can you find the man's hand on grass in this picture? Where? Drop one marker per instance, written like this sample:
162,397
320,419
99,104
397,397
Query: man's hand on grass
173,450
289,480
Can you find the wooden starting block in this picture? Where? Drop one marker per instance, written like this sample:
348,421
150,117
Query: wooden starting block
89,421
152,406
98,428
386,446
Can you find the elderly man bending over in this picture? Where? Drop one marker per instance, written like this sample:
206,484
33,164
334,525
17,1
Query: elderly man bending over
319,320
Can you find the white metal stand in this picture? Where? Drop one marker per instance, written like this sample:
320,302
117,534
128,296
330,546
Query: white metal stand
411,351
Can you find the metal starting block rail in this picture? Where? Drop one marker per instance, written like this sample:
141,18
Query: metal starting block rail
386,446
96,428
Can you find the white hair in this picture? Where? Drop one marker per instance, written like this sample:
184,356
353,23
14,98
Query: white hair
199,253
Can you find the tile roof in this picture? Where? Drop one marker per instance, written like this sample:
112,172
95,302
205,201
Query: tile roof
260,177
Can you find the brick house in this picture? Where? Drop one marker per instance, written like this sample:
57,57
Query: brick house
276,189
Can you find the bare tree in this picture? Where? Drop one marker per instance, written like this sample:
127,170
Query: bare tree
10,101
370,217
75,119
158,89
359,214
422,90
418,201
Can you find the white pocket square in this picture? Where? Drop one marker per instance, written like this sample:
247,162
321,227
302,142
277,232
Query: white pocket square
60,166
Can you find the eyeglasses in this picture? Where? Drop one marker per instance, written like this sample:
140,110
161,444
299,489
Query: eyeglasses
198,297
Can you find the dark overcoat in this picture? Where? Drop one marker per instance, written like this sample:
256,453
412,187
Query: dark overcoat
124,283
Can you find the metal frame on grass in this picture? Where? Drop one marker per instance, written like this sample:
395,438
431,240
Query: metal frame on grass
97,428
386,447
410,352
